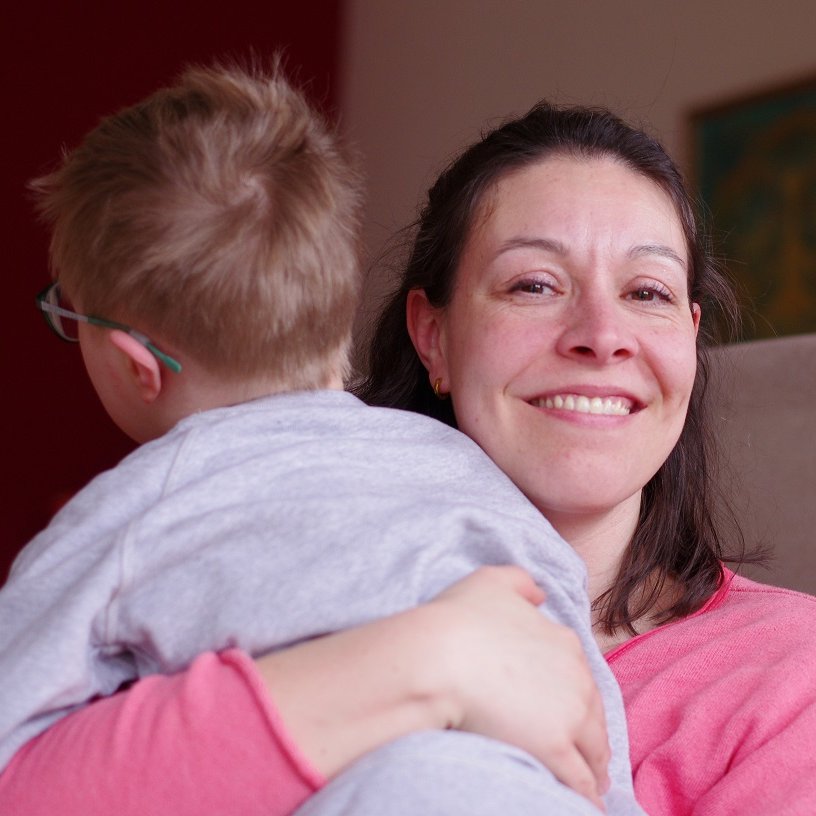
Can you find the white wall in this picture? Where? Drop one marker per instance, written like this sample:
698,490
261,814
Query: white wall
421,77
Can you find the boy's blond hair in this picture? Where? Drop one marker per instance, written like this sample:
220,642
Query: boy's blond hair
221,216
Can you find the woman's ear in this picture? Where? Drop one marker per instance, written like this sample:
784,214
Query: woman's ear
696,313
141,368
427,330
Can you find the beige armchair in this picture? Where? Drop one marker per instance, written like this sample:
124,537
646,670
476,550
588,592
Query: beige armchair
764,398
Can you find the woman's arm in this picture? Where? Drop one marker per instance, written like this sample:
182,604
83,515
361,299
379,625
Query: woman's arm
480,657
207,740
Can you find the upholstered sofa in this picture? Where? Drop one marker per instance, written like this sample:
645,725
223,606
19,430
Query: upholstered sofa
764,397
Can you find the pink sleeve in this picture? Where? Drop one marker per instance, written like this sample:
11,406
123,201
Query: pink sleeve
206,741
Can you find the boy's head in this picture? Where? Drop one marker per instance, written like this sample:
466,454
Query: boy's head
220,217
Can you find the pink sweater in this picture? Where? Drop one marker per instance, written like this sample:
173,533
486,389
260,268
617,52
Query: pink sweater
721,707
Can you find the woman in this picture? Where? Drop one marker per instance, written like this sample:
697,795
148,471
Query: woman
487,203
558,296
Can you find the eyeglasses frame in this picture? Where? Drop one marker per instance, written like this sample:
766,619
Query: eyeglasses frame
47,308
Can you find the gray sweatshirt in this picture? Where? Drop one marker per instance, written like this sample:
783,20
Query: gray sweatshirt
261,525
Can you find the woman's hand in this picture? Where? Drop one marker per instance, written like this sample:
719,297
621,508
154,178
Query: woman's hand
480,657
523,679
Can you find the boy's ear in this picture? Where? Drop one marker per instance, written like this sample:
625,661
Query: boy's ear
427,330
141,368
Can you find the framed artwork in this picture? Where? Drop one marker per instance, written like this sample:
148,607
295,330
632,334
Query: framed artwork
755,170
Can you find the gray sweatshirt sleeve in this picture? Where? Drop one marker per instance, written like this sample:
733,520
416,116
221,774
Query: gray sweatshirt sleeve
54,649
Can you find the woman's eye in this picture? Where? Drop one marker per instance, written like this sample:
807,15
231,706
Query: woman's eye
648,294
534,287
644,294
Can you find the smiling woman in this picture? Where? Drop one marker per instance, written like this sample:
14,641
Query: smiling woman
560,257
558,291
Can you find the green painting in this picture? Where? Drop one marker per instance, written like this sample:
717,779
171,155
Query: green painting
756,173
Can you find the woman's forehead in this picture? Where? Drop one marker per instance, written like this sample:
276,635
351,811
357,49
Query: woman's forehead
569,199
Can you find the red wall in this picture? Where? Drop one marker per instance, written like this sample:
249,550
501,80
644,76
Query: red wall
64,65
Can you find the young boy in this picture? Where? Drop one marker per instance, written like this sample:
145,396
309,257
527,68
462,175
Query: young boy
207,240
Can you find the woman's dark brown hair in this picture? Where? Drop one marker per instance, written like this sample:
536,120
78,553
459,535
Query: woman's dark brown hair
677,535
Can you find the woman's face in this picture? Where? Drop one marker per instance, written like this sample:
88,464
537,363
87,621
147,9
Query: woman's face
569,343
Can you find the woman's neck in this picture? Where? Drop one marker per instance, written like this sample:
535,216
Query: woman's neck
601,540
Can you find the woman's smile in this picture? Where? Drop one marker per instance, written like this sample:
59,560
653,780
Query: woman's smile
583,404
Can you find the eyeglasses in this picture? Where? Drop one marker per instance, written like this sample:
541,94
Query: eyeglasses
63,322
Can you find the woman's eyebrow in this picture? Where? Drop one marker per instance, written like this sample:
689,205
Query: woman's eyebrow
657,249
557,248
546,244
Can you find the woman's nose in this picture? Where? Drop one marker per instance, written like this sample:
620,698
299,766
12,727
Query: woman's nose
597,330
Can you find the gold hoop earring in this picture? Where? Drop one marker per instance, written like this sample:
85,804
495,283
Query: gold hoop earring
436,385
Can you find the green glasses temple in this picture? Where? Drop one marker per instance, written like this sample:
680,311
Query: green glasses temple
51,308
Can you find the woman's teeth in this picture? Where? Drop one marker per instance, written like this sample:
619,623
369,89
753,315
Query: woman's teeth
609,406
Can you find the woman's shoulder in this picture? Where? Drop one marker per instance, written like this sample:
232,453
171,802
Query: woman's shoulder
742,619
742,596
